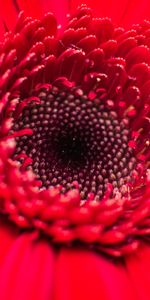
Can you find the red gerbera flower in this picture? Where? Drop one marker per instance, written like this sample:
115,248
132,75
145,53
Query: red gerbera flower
74,144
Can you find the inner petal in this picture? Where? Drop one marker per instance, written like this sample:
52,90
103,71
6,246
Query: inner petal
76,140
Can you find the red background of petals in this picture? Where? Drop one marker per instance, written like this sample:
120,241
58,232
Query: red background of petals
122,13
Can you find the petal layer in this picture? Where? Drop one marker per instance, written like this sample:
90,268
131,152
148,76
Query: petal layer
127,13
89,276
138,266
9,10
27,270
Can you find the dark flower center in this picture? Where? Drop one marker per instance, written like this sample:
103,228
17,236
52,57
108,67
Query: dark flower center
76,139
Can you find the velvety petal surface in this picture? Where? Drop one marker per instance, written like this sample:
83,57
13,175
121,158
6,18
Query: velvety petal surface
85,275
9,10
8,235
138,266
127,12
27,270
123,13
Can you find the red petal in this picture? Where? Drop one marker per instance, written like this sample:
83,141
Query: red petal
27,271
138,266
89,276
88,43
136,11
8,235
123,13
8,13
139,54
9,10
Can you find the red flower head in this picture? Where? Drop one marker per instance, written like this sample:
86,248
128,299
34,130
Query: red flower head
75,145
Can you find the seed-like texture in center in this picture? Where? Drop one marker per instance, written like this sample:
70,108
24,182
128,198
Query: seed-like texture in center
76,139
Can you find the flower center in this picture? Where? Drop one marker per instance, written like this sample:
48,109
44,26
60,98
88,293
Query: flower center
76,139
